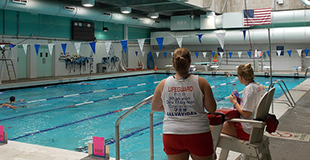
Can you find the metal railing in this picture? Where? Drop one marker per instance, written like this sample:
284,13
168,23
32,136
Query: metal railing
117,140
289,98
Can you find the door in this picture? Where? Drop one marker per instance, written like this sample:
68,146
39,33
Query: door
44,62
21,62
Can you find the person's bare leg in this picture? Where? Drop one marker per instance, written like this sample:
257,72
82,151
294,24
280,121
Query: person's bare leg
181,156
229,128
194,157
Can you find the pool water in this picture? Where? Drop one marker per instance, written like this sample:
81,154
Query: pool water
67,116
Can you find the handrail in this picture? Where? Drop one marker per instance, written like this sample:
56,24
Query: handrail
306,72
289,99
118,121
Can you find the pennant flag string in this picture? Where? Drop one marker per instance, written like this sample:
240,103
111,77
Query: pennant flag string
160,41
93,46
196,54
306,51
199,37
124,45
50,48
165,54
289,52
36,47
25,48
64,47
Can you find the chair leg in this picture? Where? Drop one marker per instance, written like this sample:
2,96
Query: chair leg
223,154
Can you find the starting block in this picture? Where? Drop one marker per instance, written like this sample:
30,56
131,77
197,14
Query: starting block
98,149
3,135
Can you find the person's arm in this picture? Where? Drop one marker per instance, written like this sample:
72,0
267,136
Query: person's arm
8,105
208,99
157,104
233,100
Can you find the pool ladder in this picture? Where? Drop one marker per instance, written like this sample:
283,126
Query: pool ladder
118,121
289,98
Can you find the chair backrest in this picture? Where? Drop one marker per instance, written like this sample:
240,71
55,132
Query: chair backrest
263,107
261,113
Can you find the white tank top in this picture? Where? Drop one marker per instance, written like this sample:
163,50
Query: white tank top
183,104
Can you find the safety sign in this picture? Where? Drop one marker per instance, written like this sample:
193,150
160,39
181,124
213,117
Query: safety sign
289,135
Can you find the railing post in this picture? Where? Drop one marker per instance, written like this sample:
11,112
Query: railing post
118,121
151,137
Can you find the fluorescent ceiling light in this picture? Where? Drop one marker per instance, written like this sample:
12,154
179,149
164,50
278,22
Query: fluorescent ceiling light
154,15
88,3
125,10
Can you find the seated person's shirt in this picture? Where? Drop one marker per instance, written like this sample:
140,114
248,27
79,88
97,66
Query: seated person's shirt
252,93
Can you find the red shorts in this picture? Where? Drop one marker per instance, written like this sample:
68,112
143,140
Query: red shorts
240,132
198,144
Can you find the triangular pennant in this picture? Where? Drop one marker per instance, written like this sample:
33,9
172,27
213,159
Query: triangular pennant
199,37
25,48
136,53
165,54
244,34
36,47
255,53
77,47
124,45
230,54
268,53
278,52
249,53
289,52
2,46
239,54
196,54
93,46
171,54
157,54
221,54
299,52
64,48
204,54
150,54
50,48
179,40
12,46
108,46
160,41
260,53
221,37
306,51
141,44
143,54
213,53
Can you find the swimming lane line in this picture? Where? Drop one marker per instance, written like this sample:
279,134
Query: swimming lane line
79,104
67,124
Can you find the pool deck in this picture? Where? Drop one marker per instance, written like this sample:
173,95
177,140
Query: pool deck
291,142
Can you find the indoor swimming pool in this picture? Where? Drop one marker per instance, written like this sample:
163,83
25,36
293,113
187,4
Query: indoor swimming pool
68,115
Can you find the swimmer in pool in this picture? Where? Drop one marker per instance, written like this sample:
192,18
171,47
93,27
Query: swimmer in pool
12,100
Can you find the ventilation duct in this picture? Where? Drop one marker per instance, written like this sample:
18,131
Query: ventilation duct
55,8
258,36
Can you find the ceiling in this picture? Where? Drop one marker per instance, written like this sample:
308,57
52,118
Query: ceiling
141,8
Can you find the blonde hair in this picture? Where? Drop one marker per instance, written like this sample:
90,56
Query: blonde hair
246,71
181,59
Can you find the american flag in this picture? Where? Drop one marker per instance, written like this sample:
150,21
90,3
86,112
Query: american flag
254,17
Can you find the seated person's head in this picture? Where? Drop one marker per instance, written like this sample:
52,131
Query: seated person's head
246,71
12,98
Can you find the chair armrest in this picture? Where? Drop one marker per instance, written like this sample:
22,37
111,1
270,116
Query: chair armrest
255,123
